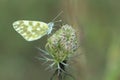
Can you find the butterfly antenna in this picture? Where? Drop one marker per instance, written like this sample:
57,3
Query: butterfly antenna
58,21
57,16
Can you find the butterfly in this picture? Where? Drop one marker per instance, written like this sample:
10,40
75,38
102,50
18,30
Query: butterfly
33,30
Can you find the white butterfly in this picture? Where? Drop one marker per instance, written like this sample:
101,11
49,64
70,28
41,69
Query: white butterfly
32,30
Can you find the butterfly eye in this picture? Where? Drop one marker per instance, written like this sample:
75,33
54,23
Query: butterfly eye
51,24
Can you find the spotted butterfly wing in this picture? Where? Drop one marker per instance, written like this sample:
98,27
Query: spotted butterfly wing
31,30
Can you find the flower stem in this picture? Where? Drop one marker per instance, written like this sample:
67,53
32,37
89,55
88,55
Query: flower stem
60,71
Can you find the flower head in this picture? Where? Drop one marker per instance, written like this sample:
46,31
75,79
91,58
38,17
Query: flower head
62,44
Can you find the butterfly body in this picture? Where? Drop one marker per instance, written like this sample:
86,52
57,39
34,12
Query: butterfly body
50,25
32,30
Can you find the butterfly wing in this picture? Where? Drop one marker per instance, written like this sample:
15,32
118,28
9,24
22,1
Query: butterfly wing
30,30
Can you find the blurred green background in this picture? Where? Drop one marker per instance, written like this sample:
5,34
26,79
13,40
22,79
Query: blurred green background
100,27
